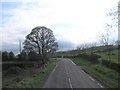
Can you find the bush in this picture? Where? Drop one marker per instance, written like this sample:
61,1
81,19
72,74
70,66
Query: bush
84,55
118,46
13,70
111,65
8,65
91,57
33,56
5,56
95,57
67,56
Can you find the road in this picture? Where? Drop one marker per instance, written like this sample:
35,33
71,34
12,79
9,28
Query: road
68,75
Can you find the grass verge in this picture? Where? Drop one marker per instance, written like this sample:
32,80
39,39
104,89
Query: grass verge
113,56
107,76
30,78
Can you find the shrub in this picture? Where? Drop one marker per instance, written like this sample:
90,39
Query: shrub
95,57
8,65
111,65
13,70
91,57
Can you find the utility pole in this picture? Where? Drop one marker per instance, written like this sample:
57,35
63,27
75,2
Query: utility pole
20,45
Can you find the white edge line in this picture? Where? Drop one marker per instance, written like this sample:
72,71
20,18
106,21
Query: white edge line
54,69
72,61
94,80
100,85
91,78
70,83
82,71
88,76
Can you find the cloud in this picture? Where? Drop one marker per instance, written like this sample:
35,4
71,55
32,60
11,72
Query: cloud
10,47
65,45
73,21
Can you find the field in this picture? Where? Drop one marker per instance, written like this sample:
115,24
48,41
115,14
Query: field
30,77
102,73
33,78
113,56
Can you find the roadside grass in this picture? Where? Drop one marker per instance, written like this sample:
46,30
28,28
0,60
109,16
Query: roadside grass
81,61
107,76
38,80
113,56
30,78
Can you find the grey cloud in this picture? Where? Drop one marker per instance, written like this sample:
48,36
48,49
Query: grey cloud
65,45
10,47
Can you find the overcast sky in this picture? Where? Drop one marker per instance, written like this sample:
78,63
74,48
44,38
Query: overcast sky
72,21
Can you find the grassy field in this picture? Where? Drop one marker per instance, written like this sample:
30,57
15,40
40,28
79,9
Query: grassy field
104,74
113,56
30,77
101,72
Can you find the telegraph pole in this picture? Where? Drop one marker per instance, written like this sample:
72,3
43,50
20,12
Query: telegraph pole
20,45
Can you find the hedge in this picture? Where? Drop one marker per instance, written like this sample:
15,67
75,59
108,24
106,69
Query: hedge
111,65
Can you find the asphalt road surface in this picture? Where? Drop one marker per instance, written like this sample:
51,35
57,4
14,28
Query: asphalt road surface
67,75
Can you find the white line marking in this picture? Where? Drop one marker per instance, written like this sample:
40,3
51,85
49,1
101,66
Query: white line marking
72,61
88,76
100,85
82,71
68,77
94,80
91,78
54,69
70,83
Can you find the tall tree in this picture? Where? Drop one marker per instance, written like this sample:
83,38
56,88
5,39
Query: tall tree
112,23
33,56
5,56
105,40
42,41
11,56
111,30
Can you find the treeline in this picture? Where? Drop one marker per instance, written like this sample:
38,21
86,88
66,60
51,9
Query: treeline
94,58
90,54
10,56
14,64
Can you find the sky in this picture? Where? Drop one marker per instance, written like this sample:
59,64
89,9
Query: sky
72,21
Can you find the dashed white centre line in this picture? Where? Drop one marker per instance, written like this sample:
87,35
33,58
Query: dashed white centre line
68,78
70,83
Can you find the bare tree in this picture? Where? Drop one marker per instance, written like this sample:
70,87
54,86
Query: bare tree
42,41
107,38
83,47
92,46
113,21
119,24
117,42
